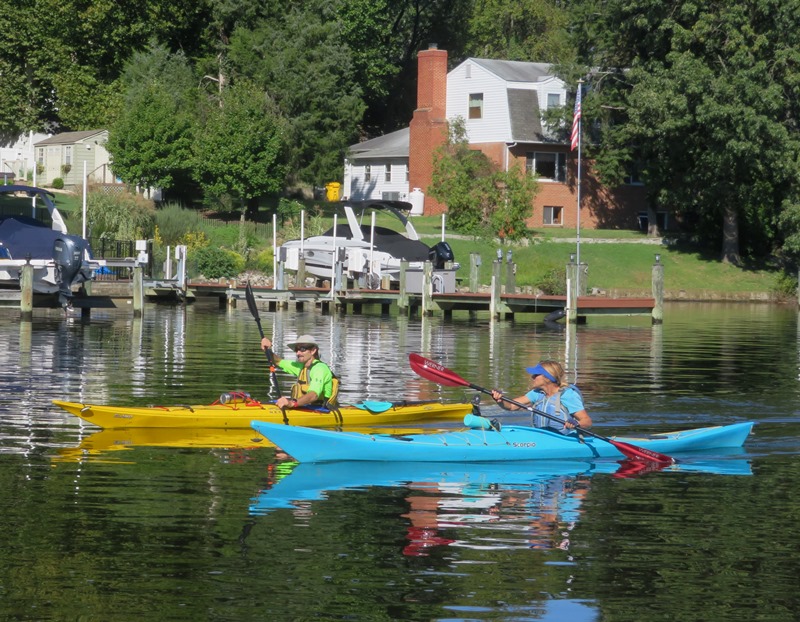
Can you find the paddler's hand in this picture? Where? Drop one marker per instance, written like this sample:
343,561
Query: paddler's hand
286,402
497,396
572,423
266,344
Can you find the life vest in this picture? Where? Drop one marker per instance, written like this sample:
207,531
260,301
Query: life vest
552,406
300,387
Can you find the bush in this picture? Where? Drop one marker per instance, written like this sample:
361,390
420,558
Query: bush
120,216
263,261
554,283
58,183
217,263
175,222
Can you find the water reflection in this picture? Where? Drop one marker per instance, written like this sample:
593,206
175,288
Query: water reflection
489,506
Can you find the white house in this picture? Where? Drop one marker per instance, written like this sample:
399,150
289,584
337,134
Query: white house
17,158
64,155
501,103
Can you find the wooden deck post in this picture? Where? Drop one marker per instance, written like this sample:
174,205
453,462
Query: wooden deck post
402,299
474,272
138,290
496,290
572,290
26,287
658,290
427,288
511,276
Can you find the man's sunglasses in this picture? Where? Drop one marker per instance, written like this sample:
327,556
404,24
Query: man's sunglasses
303,348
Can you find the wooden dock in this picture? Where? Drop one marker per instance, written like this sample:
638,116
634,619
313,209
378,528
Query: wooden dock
356,301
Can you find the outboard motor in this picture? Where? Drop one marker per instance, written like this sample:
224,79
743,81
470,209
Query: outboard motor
439,254
67,254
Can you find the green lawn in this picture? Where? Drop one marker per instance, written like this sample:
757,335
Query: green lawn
623,266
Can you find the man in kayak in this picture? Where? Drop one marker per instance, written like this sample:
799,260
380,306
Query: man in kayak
316,385
551,393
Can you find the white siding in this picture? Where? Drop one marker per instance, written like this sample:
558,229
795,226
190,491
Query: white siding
550,85
495,125
358,189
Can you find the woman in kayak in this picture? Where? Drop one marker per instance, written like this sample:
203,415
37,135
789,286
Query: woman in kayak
551,393
316,383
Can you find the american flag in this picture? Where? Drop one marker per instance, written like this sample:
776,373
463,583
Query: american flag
576,121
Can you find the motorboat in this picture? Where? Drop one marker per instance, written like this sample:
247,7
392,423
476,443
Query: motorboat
33,231
363,249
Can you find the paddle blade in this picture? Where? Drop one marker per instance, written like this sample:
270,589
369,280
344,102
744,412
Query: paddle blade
251,300
630,468
641,453
431,370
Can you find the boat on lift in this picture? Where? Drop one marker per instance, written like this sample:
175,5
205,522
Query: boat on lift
364,248
33,231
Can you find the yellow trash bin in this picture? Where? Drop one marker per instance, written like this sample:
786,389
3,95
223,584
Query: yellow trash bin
332,190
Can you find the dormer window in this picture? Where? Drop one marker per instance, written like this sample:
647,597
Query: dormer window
476,106
553,100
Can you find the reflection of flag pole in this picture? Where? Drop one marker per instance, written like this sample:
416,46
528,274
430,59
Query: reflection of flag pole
576,142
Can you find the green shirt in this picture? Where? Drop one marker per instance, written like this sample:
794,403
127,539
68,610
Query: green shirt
320,377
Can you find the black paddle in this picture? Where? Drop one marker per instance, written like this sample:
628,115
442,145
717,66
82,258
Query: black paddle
431,370
273,377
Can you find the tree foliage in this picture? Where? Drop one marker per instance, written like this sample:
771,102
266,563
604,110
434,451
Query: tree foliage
238,153
479,197
526,30
151,140
298,57
703,97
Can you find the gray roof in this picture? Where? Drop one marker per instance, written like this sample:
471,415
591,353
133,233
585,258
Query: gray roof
523,108
515,70
392,145
69,138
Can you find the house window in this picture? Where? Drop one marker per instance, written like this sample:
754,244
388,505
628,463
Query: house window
476,106
553,100
551,166
387,174
40,157
633,176
68,154
552,215
368,172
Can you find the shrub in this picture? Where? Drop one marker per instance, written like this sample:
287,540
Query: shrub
120,216
58,183
262,261
553,283
216,263
175,223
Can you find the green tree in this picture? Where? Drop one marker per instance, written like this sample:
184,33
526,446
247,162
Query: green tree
385,36
298,57
479,197
525,30
238,155
151,140
703,96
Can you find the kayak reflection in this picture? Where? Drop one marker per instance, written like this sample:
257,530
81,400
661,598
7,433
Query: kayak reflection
543,497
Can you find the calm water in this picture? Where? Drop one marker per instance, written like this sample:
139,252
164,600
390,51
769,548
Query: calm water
135,526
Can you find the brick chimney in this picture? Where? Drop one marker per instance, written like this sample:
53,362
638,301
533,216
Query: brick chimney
428,127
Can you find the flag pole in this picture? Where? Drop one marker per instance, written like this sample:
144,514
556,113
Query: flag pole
576,142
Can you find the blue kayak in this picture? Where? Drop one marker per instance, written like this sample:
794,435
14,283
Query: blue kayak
511,443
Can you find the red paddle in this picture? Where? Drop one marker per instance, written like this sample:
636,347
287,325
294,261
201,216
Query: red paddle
431,370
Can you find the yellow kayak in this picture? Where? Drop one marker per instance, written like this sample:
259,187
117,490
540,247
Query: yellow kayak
238,414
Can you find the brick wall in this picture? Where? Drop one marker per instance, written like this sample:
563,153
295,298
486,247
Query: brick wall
428,127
